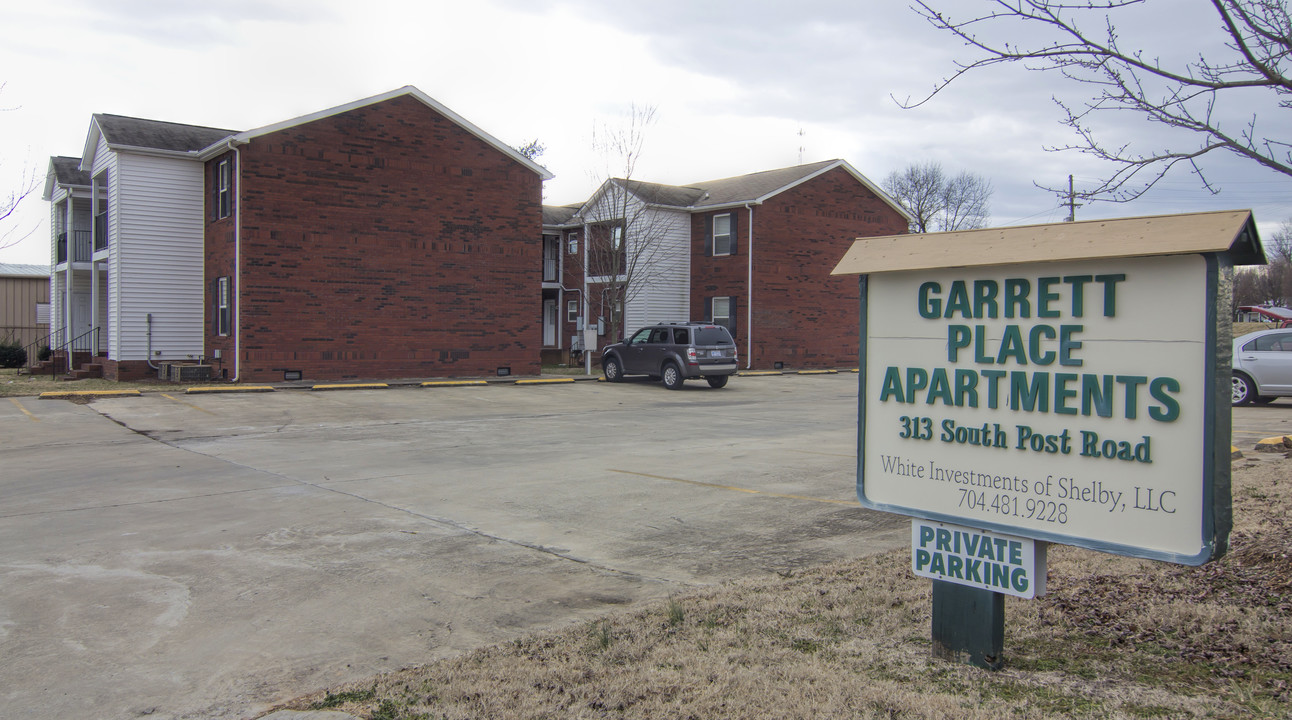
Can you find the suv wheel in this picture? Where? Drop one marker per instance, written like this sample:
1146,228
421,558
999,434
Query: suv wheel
614,372
717,381
672,377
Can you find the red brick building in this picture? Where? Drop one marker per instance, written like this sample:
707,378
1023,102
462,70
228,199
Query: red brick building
752,252
382,239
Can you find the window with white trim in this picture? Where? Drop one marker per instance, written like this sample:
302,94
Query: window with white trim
721,312
572,244
224,189
571,310
722,234
222,315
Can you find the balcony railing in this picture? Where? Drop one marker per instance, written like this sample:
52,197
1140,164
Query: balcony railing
101,232
81,251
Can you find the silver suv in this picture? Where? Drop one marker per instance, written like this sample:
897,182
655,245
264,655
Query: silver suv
674,352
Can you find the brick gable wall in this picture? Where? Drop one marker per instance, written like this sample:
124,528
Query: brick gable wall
803,317
383,242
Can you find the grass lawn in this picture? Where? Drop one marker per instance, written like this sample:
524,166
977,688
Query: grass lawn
1114,638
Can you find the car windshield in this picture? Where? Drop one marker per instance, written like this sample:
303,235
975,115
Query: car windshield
715,335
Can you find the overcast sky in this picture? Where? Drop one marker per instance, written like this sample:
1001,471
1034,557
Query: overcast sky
740,86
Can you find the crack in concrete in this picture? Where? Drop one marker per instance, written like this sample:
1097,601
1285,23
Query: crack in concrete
446,522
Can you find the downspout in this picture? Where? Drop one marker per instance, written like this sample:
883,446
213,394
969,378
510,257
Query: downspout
237,262
749,289
587,317
149,357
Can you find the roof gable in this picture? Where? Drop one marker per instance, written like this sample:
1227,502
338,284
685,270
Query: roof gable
409,90
131,133
64,172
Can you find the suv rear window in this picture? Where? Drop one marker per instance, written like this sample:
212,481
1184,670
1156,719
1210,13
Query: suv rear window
713,336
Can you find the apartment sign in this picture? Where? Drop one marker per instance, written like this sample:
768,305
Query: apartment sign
1070,402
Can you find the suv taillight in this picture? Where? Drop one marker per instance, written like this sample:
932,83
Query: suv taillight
690,355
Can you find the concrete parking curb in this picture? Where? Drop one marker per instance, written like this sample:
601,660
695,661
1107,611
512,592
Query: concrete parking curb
453,383
65,394
816,372
545,381
352,386
758,373
228,389
1278,443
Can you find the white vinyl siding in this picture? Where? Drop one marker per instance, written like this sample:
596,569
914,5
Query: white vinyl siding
156,227
665,294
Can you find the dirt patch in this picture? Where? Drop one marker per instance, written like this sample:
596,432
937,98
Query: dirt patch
1116,637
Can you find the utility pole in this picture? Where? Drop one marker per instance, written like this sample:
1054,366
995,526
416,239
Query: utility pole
1071,203
801,133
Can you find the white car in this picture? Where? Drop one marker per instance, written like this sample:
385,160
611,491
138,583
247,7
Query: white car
1262,366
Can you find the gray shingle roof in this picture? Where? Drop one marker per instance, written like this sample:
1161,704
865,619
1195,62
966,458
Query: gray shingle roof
559,215
747,188
156,134
67,171
16,270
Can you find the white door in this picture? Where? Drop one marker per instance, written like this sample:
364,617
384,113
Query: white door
82,320
549,323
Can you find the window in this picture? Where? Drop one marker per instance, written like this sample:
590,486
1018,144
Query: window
42,313
617,238
222,319
572,311
224,191
722,234
572,244
722,311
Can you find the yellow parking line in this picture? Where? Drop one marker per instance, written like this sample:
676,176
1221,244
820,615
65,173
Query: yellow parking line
352,386
168,396
545,381
24,410
453,383
737,489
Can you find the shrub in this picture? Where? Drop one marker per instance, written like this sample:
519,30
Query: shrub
44,354
12,355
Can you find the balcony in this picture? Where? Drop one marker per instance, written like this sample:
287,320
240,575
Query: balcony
81,251
101,232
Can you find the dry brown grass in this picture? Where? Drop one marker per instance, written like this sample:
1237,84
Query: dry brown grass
1115,638
14,385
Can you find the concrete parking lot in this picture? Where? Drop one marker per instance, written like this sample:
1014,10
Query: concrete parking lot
208,555
185,556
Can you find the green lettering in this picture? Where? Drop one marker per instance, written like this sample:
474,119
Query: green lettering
984,296
1110,292
1044,297
966,385
1063,393
1032,398
1017,303
1067,345
939,387
958,301
1034,344
1170,409
1011,345
892,385
958,337
1078,283
930,307
1095,396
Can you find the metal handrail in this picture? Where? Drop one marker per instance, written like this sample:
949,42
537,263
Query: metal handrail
88,340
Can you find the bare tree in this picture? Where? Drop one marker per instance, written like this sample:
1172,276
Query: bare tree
1197,96
625,252
938,202
10,198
